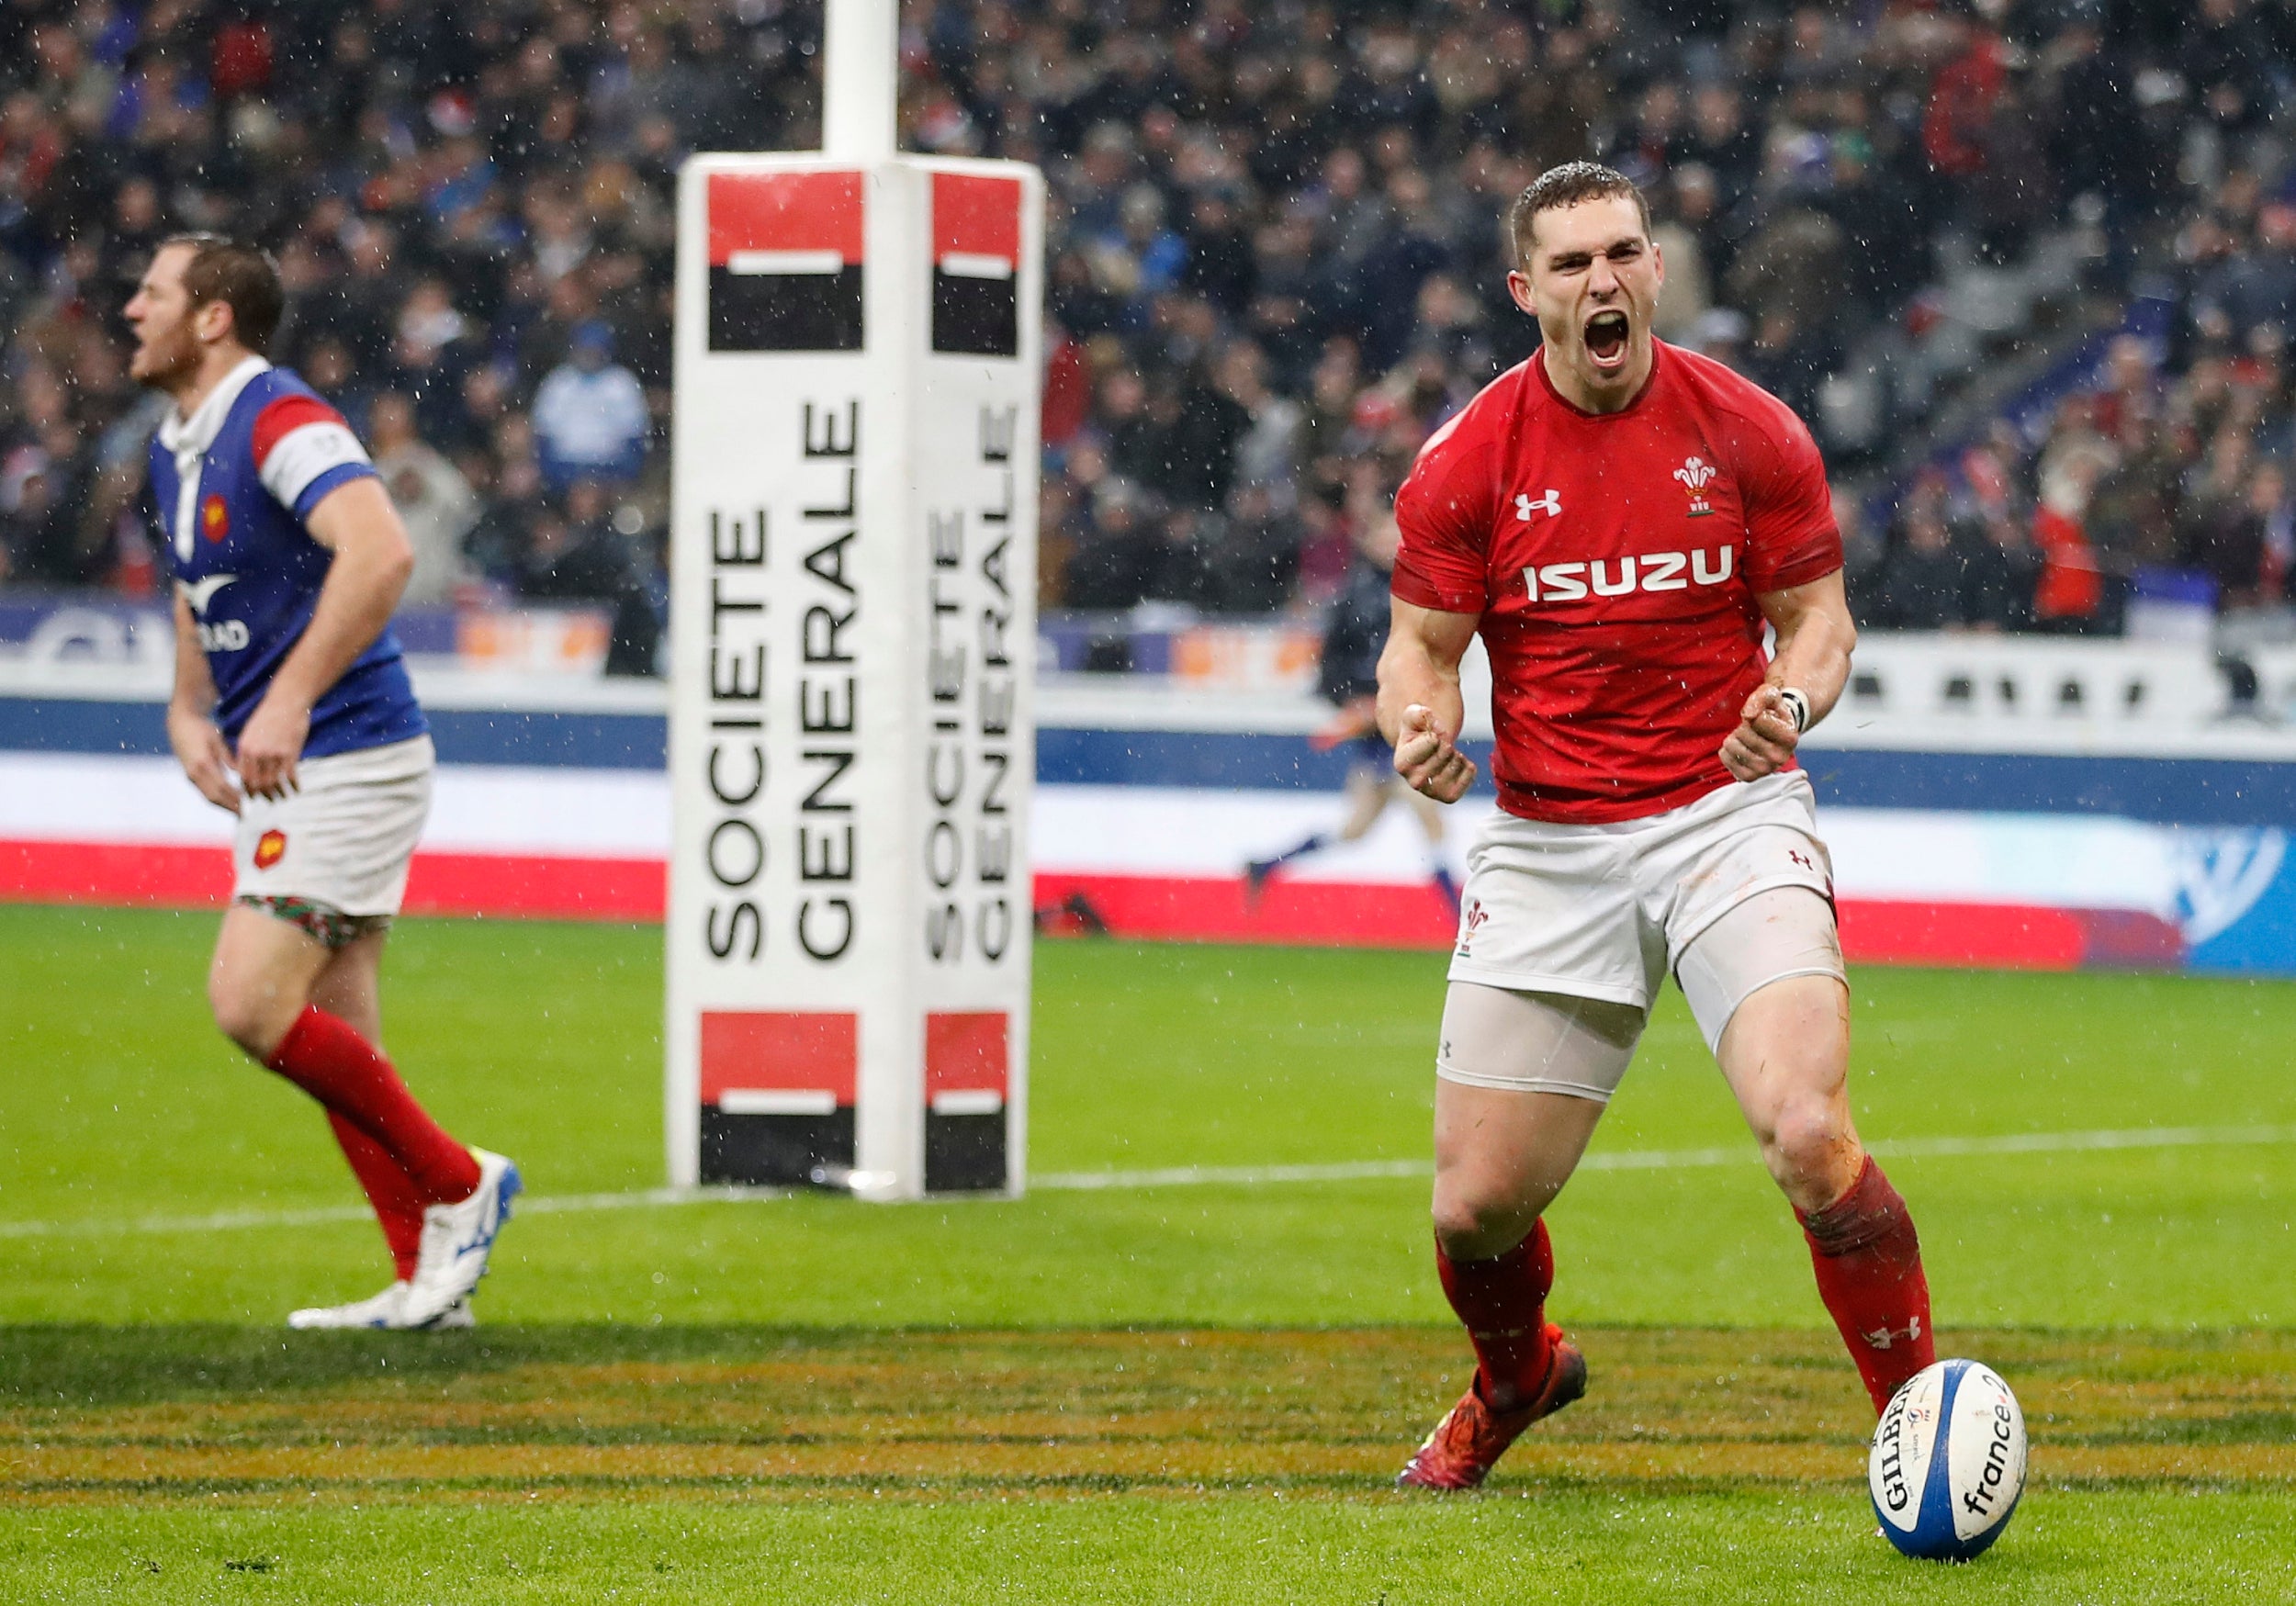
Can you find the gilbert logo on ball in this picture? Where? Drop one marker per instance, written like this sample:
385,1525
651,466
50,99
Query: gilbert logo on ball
1948,1462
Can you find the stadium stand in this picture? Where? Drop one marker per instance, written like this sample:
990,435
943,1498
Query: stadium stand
2027,265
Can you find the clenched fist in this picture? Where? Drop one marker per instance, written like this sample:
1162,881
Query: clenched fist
1765,738
1427,758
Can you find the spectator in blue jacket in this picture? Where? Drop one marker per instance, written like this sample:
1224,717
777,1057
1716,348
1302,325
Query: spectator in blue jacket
589,415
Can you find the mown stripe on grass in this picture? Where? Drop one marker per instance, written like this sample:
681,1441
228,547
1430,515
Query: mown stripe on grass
1528,1466
508,1412
2135,1138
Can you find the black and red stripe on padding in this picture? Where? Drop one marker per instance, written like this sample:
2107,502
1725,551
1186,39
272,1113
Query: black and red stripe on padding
778,1093
785,262
968,1084
976,266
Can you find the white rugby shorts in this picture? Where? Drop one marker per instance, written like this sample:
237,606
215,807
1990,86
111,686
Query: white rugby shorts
344,837
1607,911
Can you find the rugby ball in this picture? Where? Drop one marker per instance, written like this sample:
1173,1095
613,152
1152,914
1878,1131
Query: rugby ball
1948,1462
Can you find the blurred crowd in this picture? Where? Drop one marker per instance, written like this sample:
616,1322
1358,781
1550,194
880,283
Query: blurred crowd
2162,479
1278,264
1275,260
471,205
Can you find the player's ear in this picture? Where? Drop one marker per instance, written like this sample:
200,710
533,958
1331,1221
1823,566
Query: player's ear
212,320
1519,287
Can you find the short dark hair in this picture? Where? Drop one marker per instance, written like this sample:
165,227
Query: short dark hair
243,278
1566,186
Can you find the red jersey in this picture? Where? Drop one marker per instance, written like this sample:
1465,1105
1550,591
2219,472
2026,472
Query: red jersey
1614,559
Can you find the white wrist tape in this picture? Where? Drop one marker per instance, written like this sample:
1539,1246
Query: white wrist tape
1798,705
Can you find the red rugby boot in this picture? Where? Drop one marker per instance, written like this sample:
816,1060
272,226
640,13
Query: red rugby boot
1468,1442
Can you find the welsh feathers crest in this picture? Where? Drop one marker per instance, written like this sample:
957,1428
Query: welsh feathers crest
1472,922
1696,474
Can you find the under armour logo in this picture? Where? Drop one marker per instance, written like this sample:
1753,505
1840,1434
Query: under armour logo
1802,858
1550,504
1881,1338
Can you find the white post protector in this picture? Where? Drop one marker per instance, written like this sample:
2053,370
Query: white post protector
853,585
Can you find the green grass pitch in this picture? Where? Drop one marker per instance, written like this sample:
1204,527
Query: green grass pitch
1139,1393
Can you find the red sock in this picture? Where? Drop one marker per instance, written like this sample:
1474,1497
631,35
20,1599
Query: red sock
324,1057
1869,1273
1503,1303
397,1204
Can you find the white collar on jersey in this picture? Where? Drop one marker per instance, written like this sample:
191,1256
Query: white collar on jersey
192,436
187,439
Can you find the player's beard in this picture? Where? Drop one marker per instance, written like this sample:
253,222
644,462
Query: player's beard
167,363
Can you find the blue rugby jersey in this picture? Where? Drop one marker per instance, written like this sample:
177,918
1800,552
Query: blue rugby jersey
234,484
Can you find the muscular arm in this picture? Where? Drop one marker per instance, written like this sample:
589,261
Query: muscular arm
1815,638
373,559
190,728
1420,708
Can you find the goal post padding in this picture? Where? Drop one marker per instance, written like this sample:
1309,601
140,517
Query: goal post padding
853,638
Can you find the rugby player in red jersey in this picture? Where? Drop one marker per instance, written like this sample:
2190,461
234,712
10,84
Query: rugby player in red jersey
1620,519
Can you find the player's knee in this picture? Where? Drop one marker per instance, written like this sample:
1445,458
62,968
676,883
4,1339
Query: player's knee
250,1013
1473,1223
1811,1141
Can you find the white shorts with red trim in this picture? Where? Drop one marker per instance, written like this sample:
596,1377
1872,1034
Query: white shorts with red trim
343,840
1607,911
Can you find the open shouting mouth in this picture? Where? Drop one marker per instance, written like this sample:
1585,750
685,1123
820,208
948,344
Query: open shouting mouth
1607,335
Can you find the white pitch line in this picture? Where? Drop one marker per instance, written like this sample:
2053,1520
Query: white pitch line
1682,1159
1183,1176
2057,1142
229,1220
1214,1175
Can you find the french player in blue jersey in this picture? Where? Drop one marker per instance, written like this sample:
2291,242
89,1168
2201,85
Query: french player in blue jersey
292,709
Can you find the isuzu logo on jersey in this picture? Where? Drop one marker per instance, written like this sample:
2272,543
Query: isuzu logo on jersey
1650,571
